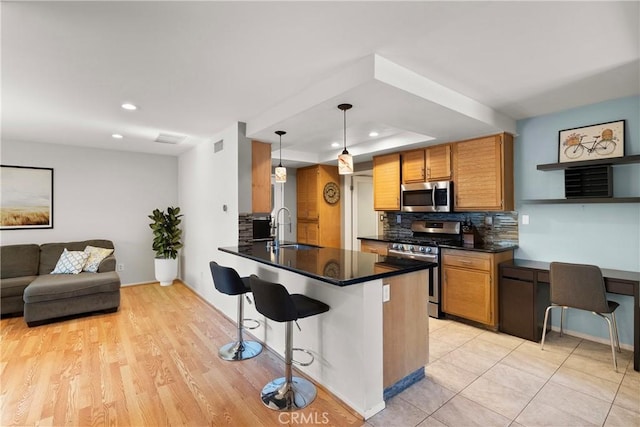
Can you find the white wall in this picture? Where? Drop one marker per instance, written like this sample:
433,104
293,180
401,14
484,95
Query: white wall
207,181
100,194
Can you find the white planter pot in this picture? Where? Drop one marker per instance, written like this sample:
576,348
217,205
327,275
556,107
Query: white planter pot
166,270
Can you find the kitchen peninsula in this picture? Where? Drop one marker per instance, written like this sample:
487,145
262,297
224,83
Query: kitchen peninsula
372,343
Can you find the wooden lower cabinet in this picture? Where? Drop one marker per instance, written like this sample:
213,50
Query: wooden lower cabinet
470,284
308,232
405,326
374,247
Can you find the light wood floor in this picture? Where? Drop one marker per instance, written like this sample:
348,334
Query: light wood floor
154,362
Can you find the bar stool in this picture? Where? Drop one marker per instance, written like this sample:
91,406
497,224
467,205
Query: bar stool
228,281
274,302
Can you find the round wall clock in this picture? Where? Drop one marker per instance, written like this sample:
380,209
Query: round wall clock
331,193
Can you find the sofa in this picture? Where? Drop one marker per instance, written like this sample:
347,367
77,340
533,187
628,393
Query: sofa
27,286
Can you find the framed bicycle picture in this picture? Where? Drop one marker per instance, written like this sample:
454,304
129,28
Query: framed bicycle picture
26,197
595,142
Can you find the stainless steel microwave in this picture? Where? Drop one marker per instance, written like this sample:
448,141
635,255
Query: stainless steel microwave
427,197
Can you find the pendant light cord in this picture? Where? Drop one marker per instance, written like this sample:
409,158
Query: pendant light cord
345,129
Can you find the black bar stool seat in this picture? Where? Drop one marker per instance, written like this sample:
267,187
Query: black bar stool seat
274,302
228,281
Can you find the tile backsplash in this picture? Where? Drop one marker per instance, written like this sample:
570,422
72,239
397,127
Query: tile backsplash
492,227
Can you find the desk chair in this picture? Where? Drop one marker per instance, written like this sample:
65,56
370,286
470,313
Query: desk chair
582,287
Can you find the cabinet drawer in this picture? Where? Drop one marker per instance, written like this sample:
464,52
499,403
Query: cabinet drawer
543,276
464,259
517,273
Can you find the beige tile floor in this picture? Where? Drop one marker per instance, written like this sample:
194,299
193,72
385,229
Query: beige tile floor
482,378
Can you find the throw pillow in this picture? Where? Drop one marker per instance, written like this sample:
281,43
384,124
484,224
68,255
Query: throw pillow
96,255
70,262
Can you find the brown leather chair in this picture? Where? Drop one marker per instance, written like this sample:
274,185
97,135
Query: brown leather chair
581,286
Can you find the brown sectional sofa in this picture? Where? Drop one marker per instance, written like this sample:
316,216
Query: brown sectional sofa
27,287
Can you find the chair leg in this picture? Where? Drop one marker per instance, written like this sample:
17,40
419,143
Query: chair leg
544,326
288,393
240,349
615,329
562,320
611,339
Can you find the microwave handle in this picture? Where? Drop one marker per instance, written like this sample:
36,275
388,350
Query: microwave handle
433,195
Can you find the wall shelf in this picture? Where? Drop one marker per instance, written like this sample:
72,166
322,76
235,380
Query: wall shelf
635,158
582,200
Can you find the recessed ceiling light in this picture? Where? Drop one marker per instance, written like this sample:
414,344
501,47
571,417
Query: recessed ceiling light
128,106
374,133
335,144
117,136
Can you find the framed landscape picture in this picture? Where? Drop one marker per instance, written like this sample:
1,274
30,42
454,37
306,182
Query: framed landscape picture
26,197
601,141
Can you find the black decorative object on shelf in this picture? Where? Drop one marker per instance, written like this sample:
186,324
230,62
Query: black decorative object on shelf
591,181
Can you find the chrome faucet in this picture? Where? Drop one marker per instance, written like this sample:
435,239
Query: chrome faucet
276,240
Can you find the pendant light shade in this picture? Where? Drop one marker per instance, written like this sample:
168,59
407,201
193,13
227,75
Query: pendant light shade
345,160
281,171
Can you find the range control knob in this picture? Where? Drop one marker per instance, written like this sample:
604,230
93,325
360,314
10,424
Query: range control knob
411,248
422,249
397,246
429,249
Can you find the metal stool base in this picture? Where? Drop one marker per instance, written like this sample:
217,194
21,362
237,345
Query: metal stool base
280,396
242,350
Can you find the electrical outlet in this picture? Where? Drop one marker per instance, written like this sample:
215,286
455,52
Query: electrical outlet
525,219
399,219
120,267
386,293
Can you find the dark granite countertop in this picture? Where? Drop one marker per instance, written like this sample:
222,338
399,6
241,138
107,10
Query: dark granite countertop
338,267
479,247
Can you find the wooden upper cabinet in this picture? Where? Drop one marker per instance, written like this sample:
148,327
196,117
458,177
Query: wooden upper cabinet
483,174
386,182
438,162
260,177
413,166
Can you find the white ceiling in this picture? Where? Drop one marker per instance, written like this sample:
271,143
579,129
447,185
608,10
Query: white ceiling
414,71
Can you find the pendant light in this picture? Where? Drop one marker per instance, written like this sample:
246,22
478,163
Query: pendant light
345,160
281,171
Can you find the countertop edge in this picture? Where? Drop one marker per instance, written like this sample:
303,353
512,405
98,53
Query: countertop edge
382,275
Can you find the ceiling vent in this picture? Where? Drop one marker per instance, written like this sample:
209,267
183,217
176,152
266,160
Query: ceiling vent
166,138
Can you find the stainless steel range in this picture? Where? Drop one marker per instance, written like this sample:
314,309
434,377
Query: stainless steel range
423,245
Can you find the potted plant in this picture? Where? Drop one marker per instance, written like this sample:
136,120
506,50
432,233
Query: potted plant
166,242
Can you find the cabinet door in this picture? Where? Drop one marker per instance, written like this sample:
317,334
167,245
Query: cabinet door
478,174
517,315
439,163
386,182
308,233
307,183
260,177
467,293
413,166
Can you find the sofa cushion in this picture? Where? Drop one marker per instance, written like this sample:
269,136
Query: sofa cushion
96,255
53,286
50,252
14,286
70,262
19,260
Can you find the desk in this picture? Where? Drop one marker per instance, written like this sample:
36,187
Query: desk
616,281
